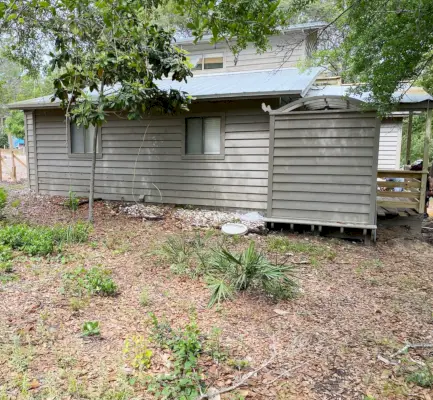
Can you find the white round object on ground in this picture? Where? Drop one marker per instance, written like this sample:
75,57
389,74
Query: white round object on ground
234,229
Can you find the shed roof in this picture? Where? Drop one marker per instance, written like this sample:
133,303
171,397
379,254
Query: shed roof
245,84
410,95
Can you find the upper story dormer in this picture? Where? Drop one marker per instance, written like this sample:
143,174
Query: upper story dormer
293,45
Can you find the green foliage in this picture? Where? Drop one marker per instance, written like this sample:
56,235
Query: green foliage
184,381
3,198
90,328
41,240
72,201
94,281
136,352
388,43
417,141
422,377
236,272
14,124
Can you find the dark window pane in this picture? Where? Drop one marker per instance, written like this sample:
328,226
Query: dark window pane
194,136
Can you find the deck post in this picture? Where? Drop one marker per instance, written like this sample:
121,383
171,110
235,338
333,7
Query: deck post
409,138
14,167
425,163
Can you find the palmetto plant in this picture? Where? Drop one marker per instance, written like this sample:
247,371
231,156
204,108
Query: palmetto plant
228,273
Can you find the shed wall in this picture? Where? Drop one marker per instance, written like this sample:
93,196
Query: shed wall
30,148
323,167
152,163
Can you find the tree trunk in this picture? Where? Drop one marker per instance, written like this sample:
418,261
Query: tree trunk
92,174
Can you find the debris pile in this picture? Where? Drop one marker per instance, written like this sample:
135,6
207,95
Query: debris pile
214,218
148,212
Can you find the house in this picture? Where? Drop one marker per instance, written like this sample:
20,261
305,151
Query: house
259,136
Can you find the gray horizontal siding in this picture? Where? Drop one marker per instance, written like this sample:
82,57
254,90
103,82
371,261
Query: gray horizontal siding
249,60
390,144
143,158
322,167
30,149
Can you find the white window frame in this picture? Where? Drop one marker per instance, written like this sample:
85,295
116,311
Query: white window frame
208,55
86,156
220,156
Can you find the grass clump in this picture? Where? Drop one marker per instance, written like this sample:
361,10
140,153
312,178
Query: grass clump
186,256
42,240
283,245
144,298
229,273
72,201
84,282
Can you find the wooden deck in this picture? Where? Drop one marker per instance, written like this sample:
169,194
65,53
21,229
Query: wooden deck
409,200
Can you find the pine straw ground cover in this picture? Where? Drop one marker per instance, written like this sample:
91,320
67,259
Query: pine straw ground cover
337,340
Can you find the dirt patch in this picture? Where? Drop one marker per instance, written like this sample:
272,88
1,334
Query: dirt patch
356,303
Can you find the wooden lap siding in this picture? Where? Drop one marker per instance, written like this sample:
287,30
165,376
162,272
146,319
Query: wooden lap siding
390,144
238,181
30,148
323,165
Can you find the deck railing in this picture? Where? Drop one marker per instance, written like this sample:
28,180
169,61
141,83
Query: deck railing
412,186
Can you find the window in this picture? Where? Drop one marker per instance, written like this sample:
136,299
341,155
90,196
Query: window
81,141
204,137
207,61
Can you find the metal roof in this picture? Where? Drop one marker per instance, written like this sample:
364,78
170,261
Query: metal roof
291,28
245,84
411,95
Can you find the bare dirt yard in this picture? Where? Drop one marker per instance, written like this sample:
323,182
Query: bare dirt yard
124,313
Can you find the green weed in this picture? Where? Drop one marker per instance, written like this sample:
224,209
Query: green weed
185,379
136,352
94,281
3,199
422,377
238,364
90,328
41,240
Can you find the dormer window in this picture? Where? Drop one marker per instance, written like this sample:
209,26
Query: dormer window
207,61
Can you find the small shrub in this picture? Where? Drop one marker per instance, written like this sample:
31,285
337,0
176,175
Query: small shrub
236,272
422,377
3,199
90,328
93,281
72,202
136,352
